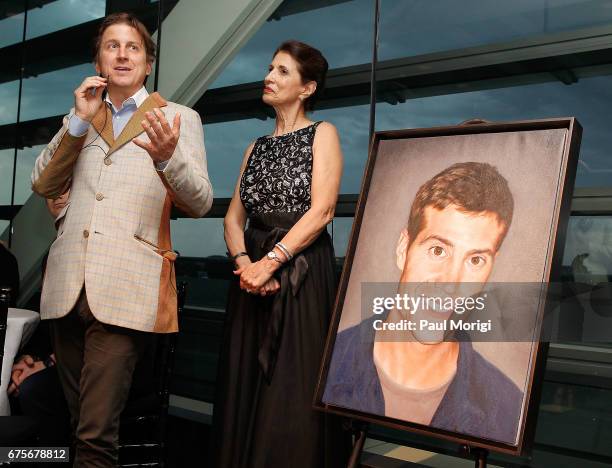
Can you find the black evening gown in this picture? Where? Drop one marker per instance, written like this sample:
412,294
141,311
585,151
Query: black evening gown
272,348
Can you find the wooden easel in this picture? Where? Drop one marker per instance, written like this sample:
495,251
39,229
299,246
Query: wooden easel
480,455
359,430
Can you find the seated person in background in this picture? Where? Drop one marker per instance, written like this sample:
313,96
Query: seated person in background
55,207
9,273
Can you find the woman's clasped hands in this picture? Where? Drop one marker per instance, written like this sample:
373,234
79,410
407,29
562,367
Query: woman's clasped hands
257,277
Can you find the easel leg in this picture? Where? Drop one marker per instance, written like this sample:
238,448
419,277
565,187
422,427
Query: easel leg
481,457
360,431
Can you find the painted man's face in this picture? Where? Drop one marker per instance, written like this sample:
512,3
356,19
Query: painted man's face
452,256
453,247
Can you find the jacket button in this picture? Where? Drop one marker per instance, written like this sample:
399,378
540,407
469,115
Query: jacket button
85,233
99,196
107,161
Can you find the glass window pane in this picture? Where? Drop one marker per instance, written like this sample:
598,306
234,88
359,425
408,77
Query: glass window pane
6,175
206,269
331,28
50,17
12,27
588,249
3,227
202,261
226,143
575,417
588,100
340,230
23,181
9,94
61,14
52,93
421,26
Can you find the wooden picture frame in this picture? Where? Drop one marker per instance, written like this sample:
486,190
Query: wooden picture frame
560,200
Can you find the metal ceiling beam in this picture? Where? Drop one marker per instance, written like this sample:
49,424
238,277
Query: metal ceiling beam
10,8
567,57
560,56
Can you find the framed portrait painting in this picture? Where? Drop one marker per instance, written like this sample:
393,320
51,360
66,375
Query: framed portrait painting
437,323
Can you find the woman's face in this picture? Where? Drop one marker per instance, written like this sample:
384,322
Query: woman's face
283,84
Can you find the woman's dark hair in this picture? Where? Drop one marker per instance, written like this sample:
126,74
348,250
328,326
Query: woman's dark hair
311,65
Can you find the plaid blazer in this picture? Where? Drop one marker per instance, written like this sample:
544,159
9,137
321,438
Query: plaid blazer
114,233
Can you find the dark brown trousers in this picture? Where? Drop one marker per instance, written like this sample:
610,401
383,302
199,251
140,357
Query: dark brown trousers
95,364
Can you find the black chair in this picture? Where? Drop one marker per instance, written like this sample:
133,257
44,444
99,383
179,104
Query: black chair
142,437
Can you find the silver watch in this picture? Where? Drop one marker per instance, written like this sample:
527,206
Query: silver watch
272,255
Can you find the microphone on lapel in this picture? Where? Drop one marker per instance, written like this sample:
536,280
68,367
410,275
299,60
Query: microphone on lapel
105,90
99,132
108,82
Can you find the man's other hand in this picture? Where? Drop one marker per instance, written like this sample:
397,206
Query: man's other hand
86,104
163,138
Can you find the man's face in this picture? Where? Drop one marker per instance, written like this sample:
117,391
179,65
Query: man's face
123,58
452,247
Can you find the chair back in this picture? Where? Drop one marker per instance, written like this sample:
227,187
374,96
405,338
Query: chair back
150,447
165,354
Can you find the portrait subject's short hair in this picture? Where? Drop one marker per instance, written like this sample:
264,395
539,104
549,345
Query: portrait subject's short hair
473,187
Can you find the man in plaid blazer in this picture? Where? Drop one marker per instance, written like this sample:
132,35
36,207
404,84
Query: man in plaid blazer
110,272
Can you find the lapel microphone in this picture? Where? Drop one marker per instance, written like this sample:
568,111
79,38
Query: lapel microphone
103,96
104,91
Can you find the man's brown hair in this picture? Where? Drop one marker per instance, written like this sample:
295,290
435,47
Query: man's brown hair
473,187
130,20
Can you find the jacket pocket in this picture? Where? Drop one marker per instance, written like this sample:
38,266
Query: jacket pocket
165,253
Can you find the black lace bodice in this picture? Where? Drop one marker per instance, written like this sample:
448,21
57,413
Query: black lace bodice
278,174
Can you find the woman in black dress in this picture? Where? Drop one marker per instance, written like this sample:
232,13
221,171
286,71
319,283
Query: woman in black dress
279,307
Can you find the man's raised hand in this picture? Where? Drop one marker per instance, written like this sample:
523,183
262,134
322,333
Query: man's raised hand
86,103
163,138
